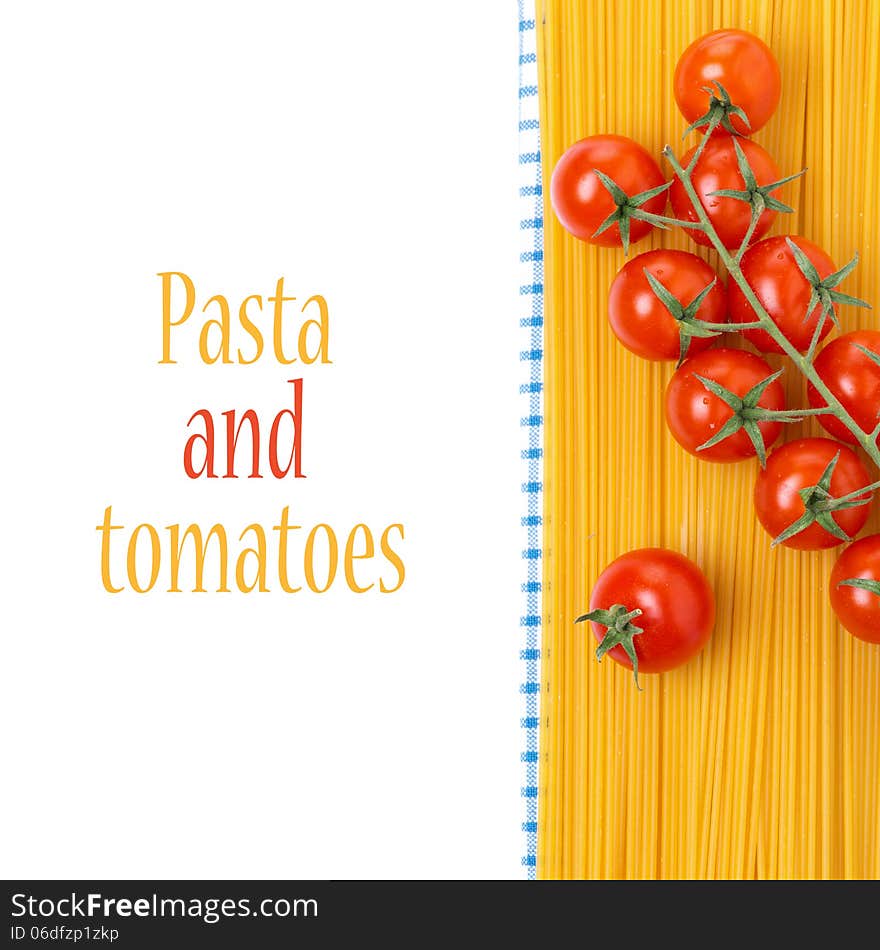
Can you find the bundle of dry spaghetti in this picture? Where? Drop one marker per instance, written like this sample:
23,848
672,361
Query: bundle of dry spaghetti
761,758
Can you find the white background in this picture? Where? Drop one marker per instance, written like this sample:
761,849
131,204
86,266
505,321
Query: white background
366,152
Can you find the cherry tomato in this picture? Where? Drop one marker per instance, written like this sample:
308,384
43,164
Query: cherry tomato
717,169
642,323
801,464
858,609
853,378
677,604
694,414
772,272
742,64
582,202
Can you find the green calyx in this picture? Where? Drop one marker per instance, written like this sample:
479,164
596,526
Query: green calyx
757,196
819,504
862,583
747,414
621,631
822,290
628,207
686,317
719,112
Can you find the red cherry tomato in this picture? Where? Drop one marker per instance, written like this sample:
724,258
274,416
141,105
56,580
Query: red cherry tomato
772,272
801,464
582,202
638,318
742,64
858,609
694,414
677,604
853,378
717,169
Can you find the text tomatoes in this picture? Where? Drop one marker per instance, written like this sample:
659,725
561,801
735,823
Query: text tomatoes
853,378
641,321
742,64
799,465
717,169
582,202
694,414
858,608
771,270
676,603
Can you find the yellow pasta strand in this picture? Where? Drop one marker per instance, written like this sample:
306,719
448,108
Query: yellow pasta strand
761,758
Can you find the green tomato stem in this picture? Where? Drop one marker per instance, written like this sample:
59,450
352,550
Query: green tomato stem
753,223
730,327
662,219
713,124
781,415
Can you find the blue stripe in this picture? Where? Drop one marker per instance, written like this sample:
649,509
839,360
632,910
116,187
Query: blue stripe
531,283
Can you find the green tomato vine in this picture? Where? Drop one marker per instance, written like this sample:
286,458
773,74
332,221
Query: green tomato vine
823,292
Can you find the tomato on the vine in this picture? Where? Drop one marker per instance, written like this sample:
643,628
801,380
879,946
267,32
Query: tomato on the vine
772,272
582,202
802,464
858,605
653,605
743,65
694,414
640,320
716,169
854,380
